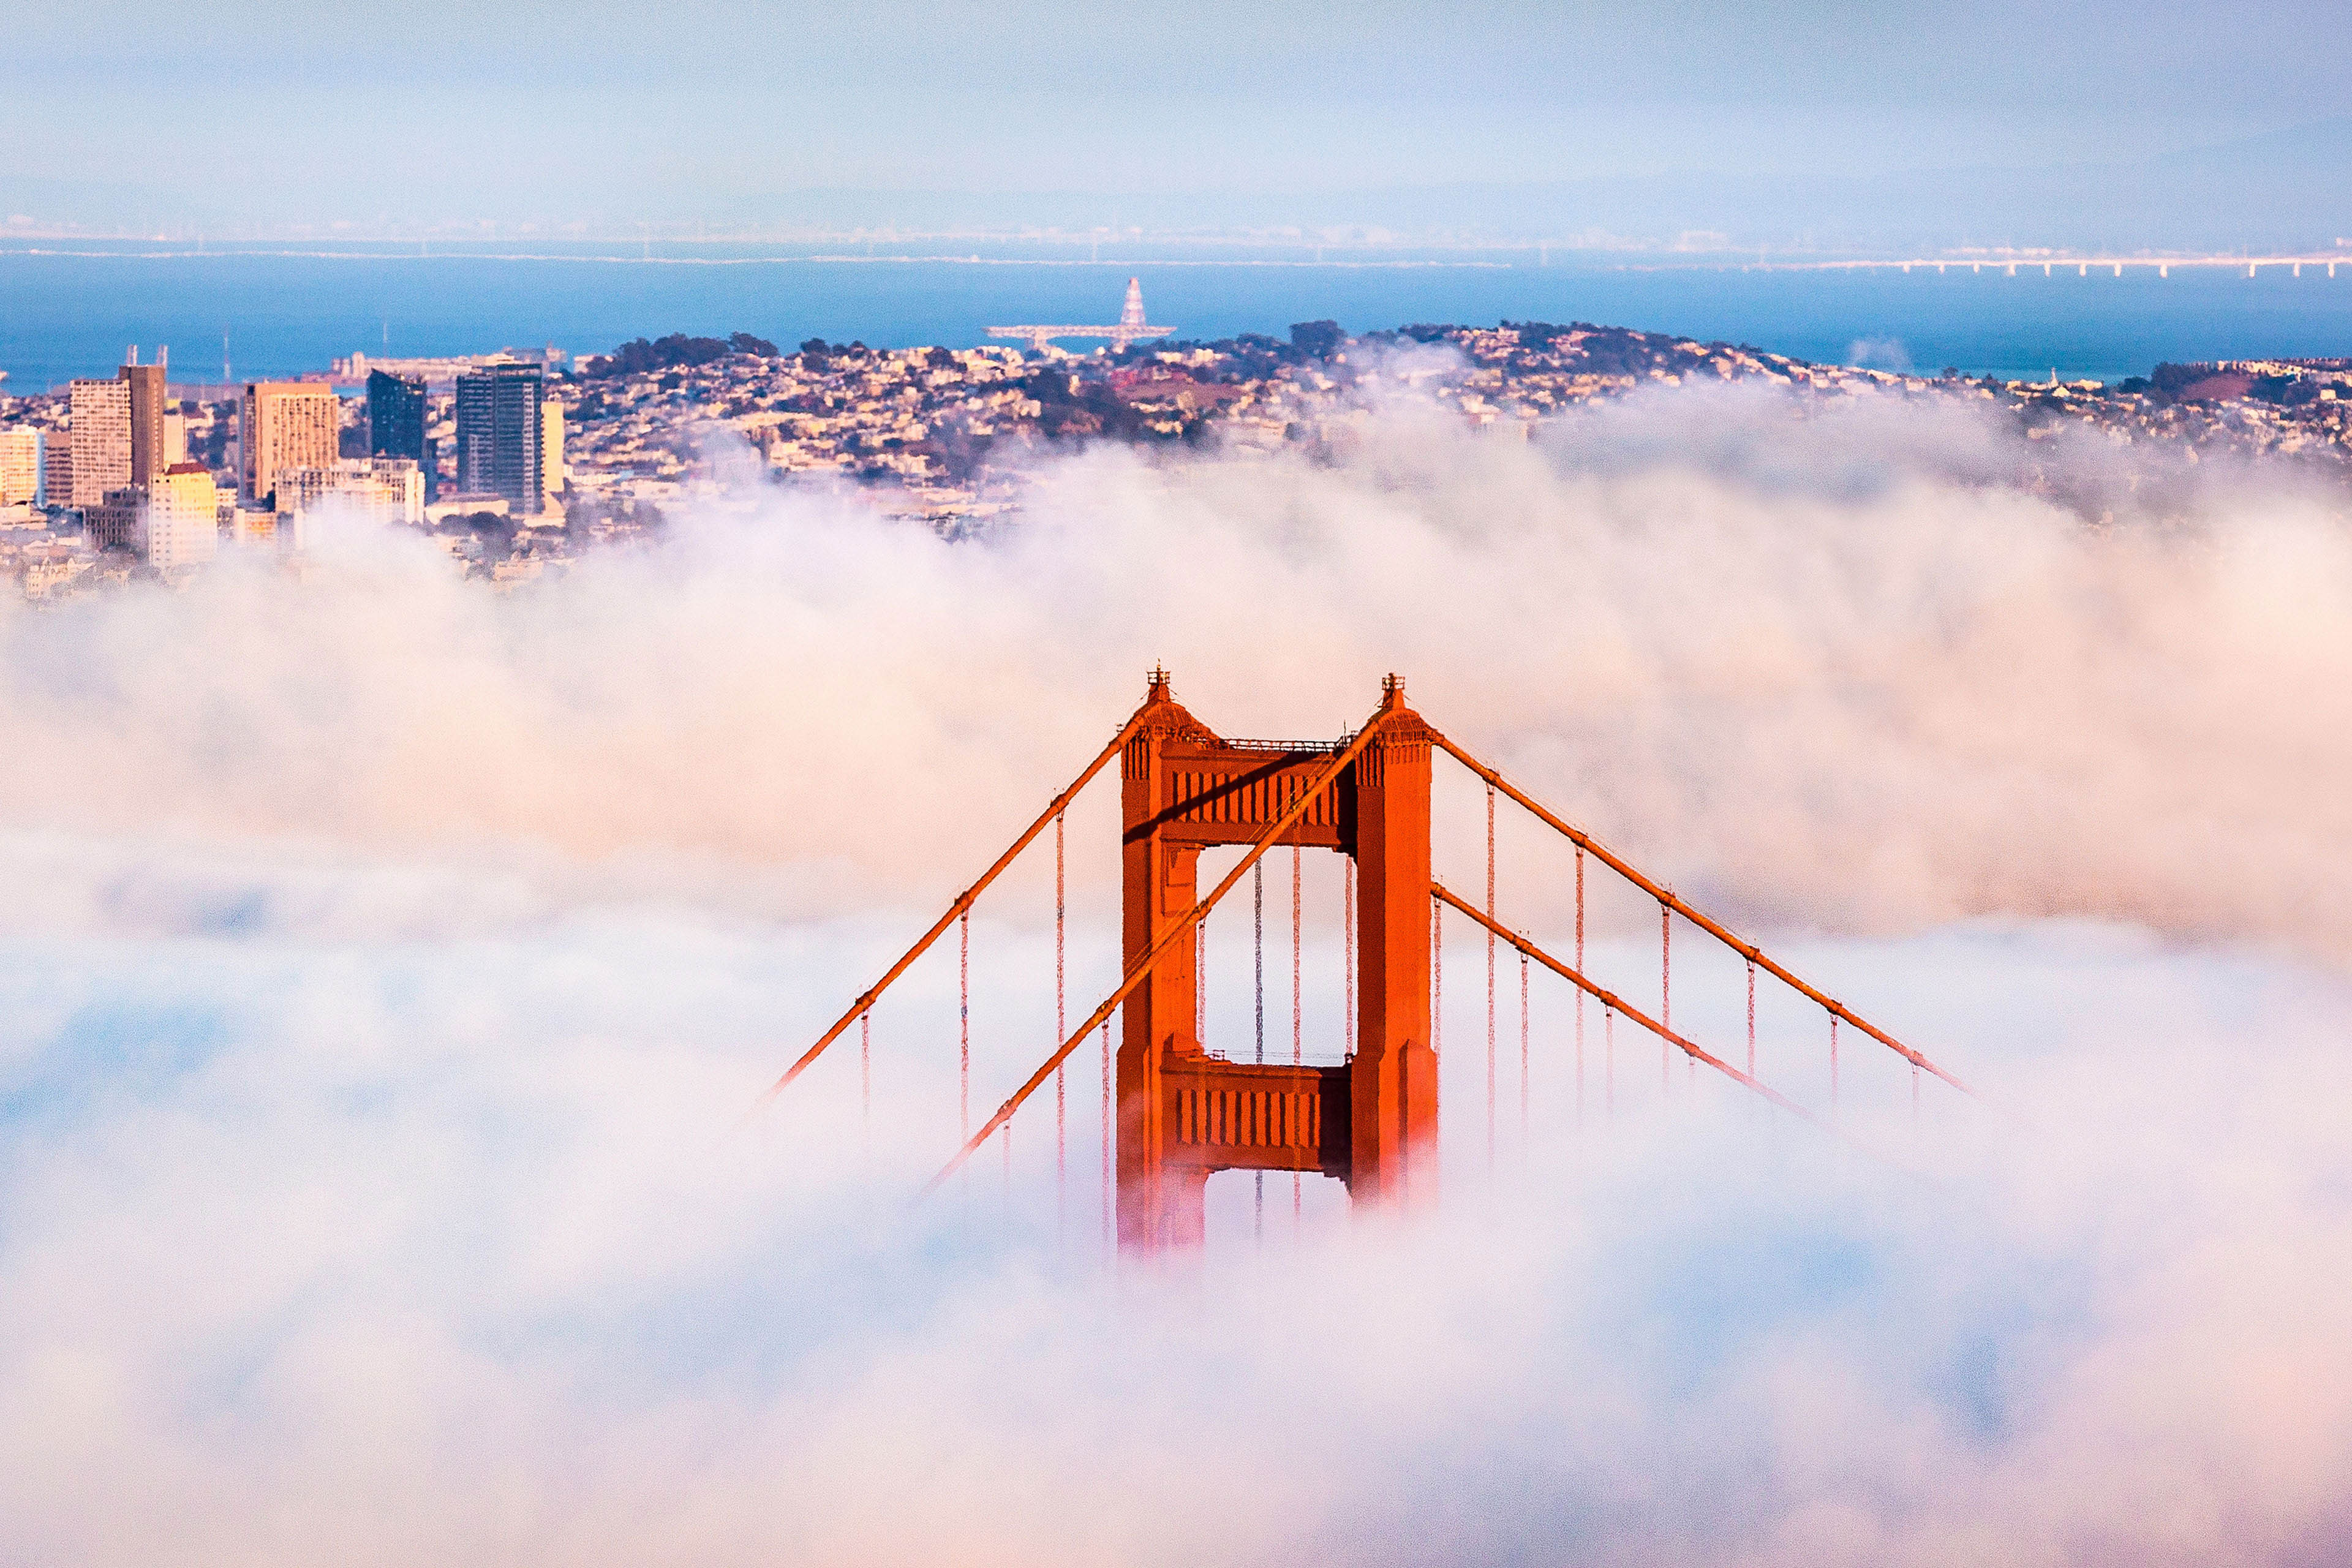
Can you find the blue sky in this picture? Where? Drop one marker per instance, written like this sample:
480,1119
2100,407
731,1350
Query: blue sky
723,109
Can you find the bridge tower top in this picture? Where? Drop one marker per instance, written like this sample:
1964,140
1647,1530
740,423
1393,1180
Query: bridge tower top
1186,1110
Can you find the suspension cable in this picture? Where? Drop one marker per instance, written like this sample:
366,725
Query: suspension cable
1608,1000
1142,967
962,906
1713,927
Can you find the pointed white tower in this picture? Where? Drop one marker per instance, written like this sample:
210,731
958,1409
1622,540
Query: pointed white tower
1131,314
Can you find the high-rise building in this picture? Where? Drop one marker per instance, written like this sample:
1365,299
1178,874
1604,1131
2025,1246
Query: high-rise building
100,411
145,385
501,435
114,522
285,425
550,456
173,522
397,418
20,465
390,490
57,468
182,522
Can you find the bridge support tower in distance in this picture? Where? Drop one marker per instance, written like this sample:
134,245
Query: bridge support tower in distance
1186,1112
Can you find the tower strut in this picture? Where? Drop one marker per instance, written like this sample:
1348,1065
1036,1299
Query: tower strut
1184,923
1746,949
955,911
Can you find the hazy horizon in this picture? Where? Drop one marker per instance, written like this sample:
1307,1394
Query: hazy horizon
1845,126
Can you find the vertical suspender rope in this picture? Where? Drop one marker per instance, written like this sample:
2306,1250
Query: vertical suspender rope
1106,1137
963,1024
1523,1047
1665,987
1833,1083
865,1068
1061,1032
1608,1059
1257,946
1436,974
1490,979
1580,995
1257,889
1298,1005
1751,1017
1297,940
1347,941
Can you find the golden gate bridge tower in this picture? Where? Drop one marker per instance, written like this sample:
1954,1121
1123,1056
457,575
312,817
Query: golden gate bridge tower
1177,1111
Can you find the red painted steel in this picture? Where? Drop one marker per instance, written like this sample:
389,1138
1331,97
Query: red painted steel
1174,1112
1184,789
1162,915
1747,950
1612,1004
864,1004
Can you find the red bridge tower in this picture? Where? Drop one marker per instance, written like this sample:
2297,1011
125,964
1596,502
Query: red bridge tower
1185,1112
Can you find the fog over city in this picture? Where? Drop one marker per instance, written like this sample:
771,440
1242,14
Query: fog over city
390,963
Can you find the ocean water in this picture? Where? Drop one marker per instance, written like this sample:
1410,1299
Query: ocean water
71,310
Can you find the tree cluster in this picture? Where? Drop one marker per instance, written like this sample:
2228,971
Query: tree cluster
639,357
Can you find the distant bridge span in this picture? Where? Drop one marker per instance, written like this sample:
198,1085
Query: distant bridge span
1131,327
2081,264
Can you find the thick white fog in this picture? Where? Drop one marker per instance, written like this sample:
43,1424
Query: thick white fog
386,966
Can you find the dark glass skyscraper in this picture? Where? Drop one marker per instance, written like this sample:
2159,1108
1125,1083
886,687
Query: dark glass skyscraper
499,449
396,420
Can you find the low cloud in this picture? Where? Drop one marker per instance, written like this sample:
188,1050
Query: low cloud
386,962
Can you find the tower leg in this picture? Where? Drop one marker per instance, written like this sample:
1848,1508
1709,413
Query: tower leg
1394,1082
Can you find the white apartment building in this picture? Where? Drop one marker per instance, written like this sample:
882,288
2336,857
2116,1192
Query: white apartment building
22,463
100,411
388,490
179,525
